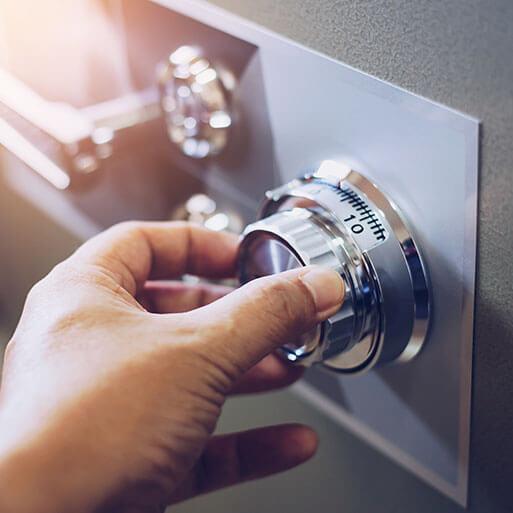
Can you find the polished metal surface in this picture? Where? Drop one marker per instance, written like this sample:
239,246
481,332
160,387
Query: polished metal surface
202,209
338,219
195,98
63,144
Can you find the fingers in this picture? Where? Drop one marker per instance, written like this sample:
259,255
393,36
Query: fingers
177,296
238,457
134,252
252,321
269,374
167,297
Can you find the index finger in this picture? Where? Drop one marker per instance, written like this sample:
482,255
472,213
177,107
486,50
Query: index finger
134,252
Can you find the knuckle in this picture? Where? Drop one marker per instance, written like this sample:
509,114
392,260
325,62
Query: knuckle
35,291
288,300
129,228
278,300
40,290
309,306
68,274
10,349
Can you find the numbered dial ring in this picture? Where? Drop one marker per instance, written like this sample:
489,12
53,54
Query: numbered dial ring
338,219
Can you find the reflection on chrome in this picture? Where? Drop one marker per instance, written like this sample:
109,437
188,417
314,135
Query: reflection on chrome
196,102
337,218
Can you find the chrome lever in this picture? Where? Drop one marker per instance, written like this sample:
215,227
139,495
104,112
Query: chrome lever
61,143
14,142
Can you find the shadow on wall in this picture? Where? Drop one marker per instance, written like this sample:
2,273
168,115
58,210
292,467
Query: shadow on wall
492,423
31,245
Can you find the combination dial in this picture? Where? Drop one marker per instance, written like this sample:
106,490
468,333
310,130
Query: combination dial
337,218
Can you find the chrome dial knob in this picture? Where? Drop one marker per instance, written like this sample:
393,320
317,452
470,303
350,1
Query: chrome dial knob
195,98
338,219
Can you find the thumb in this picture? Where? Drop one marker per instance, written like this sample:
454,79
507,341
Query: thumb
269,312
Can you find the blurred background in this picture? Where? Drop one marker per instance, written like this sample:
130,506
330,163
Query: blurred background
43,46
84,143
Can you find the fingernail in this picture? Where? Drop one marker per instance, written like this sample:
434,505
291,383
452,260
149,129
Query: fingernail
326,286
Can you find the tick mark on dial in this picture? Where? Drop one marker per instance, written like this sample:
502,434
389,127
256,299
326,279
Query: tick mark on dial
361,208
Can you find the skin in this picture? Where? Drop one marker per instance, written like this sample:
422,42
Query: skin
114,379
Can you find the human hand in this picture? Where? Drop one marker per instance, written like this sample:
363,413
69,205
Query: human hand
108,401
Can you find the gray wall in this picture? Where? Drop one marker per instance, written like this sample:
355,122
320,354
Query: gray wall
30,245
457,52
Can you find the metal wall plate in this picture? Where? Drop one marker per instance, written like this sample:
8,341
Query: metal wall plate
298,108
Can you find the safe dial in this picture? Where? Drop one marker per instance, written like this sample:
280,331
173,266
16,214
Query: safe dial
337,218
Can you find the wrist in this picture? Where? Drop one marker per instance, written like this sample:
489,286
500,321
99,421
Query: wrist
18,488
30,478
